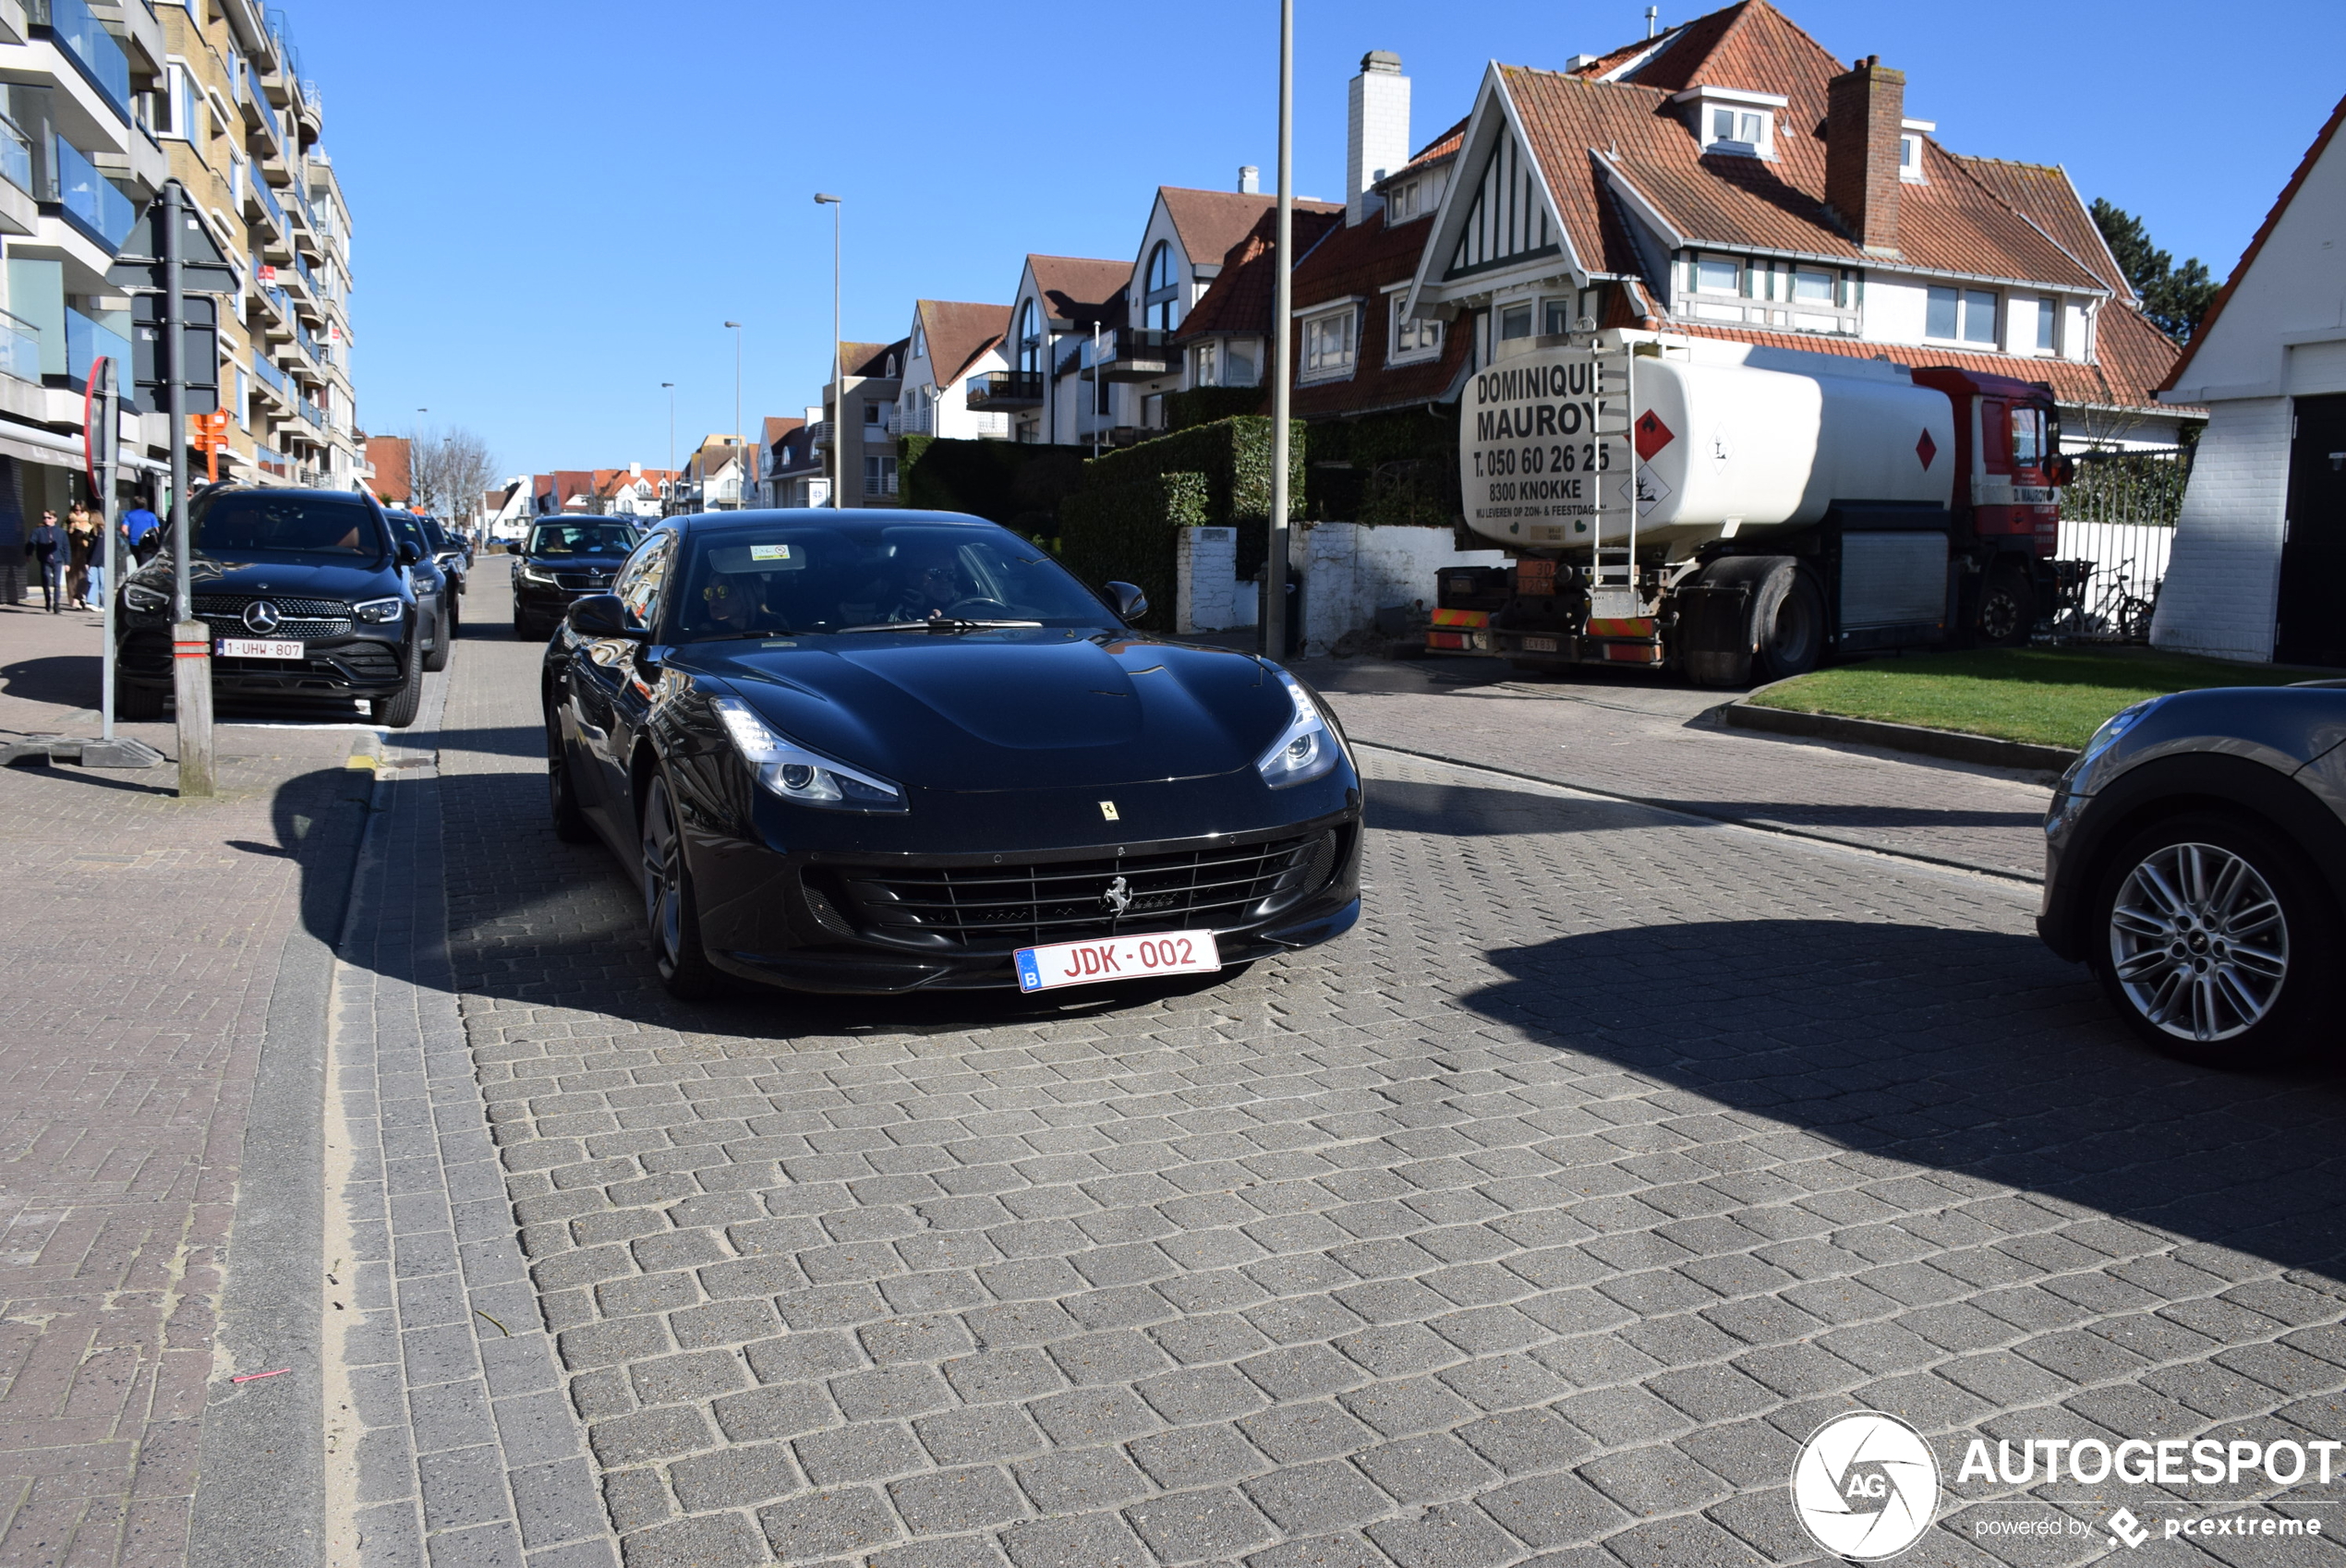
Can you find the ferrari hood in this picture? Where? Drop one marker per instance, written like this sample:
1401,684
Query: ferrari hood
1010,709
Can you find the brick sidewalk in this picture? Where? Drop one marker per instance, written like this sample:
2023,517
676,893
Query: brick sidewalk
1644,739
145,934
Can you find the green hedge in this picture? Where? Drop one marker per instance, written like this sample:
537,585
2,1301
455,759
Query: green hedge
1017,485
1234,457
1397,467
1124,533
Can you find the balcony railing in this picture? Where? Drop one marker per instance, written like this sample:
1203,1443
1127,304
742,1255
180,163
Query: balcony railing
1134,353
269,203
90,197
85,340
272,378
15,156
271,462
97,51
20,348
1005,389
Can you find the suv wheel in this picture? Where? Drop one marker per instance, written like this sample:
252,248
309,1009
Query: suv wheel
2212,946
399,709
562,801
443,637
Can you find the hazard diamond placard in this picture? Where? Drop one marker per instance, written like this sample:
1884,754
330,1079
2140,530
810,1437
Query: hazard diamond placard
1653,435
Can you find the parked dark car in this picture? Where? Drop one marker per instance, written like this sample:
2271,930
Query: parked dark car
435,590
453,552
562,560
885,751
308,593
2195,858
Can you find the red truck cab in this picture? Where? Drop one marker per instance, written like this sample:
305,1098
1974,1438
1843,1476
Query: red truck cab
2005,457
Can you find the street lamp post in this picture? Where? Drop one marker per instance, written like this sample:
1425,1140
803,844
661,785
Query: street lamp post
739,456
839,357
668,486
1282,315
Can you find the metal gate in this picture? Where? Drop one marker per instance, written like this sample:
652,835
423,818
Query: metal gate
2118,525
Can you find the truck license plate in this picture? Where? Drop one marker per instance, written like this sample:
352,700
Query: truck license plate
253,648
1538,644
1117,957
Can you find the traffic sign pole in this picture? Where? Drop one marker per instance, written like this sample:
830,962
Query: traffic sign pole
190,638
102,427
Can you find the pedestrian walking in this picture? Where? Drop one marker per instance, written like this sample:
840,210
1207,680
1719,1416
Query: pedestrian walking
141,530
46,544
83,567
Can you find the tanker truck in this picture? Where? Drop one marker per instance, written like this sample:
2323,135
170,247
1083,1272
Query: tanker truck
1741,511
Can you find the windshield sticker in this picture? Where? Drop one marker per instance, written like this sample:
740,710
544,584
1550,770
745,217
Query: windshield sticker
769,552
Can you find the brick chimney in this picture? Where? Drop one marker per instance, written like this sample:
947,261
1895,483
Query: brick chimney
1864,113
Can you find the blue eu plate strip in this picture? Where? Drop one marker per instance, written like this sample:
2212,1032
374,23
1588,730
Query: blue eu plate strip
1030,978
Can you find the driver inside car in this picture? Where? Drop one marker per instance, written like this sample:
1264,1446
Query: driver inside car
733,604
928,582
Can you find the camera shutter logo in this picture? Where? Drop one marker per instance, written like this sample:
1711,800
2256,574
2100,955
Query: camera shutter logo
260,616
1866,1486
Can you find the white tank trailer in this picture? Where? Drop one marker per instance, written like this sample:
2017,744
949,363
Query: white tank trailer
1741,511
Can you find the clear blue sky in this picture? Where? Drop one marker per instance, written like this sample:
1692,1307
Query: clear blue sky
557,202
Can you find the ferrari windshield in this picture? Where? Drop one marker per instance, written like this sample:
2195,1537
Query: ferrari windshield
794,579
587,537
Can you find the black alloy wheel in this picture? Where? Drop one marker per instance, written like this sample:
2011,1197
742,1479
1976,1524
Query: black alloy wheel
562,801
669,909
2213,946
137,704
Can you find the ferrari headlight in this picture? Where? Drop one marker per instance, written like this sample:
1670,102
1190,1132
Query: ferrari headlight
379,613
1307,750
797,774
146,600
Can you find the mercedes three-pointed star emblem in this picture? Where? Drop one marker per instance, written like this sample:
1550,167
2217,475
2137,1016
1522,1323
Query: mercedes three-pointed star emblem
261,616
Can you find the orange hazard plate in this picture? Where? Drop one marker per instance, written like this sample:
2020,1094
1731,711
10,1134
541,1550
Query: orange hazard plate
1633,652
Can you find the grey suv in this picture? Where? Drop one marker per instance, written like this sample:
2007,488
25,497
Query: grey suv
2195,858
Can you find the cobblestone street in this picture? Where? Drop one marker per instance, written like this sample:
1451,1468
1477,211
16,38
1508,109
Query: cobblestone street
1538,1220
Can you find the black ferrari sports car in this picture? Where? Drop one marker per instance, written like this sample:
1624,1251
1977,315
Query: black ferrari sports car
887,751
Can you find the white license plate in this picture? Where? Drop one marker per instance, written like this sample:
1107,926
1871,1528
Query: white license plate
1117,957
1538,644
254,647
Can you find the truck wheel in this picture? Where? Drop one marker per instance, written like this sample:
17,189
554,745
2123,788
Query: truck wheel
2007,608
1787,624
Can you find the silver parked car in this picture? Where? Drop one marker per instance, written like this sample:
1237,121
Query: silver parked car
2195,858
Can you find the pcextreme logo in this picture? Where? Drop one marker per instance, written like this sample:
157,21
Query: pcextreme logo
1866,1486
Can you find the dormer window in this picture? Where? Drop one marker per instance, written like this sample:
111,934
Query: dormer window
1910,134
1730,121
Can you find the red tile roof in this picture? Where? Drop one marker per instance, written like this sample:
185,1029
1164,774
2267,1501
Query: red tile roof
959,334
1952,224
1239,298
774,430
2257,242
1446,145
1078,289
2102,386
1211,222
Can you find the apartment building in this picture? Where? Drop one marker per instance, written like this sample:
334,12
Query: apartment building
864,424
243,131
79,158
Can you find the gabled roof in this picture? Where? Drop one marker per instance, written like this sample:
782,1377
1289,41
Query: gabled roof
1446,145
872,359
1239,298
958,333
774,430
2256,241
1598,143
1076,289
1211,222
2045,195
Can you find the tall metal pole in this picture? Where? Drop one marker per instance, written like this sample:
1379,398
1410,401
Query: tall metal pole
839,362
1282,316
109,548
190,638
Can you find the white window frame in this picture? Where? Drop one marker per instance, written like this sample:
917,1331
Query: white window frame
2049,324
1910,138
1407,341
1706,259
1321,362
1751,111
1967,298
1205,363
